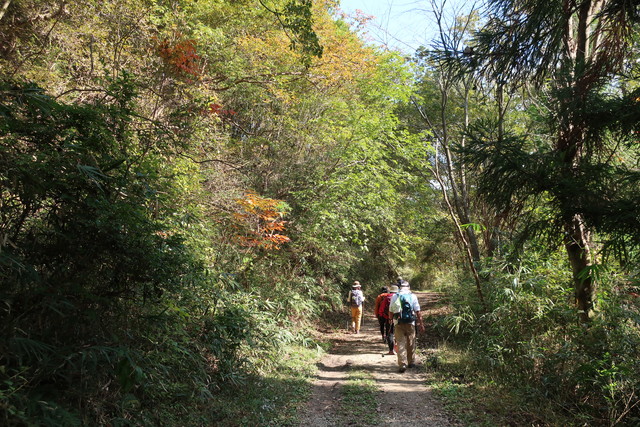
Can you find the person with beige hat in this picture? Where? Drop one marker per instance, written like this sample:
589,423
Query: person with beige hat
356,300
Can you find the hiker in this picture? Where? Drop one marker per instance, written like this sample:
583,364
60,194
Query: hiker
406,309
388,316
382,320
356,300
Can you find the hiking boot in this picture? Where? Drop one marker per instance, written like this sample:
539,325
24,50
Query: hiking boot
402,368
391,353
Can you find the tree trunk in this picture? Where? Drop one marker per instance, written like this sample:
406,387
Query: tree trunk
571,145
461,234
577,244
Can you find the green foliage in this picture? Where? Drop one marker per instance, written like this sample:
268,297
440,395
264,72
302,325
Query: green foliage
564,152
515,172
129,131
80,249
299,19
296,17
529,341
274,398
126,296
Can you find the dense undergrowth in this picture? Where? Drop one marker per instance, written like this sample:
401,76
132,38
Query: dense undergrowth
527,361
115,315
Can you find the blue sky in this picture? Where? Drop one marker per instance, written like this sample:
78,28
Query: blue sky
402,24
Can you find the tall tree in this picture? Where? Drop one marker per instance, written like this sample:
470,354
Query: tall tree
577,50
446,99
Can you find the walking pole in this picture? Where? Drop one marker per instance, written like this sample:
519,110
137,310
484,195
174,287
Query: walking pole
349,320
349,316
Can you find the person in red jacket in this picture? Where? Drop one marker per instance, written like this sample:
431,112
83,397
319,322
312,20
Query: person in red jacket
387,316
376,312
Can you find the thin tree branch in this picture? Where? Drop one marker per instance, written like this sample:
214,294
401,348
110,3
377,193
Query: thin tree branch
5,6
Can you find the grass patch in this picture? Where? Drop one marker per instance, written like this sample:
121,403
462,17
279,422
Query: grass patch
477,401
273,398
359,404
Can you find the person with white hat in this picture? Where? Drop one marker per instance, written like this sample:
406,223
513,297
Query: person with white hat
406,309
356,300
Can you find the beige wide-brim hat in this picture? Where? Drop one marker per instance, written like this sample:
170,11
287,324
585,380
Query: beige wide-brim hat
356,284
393,288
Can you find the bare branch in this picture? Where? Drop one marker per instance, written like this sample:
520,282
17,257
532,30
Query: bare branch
5,6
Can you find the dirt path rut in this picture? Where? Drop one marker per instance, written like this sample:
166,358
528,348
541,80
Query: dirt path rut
403,398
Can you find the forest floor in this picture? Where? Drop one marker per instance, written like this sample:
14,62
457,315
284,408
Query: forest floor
400,398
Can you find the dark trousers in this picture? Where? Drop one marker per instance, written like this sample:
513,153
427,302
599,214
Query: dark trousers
389,329
386,330
383,329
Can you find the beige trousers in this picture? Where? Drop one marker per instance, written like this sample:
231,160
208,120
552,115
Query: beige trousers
405,334
356,316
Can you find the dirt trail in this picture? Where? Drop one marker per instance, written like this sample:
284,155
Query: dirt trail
403,399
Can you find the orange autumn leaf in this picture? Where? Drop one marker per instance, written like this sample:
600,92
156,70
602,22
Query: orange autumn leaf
260,222
180,56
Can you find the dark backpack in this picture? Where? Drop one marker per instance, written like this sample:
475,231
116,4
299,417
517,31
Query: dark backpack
383,308
406,315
